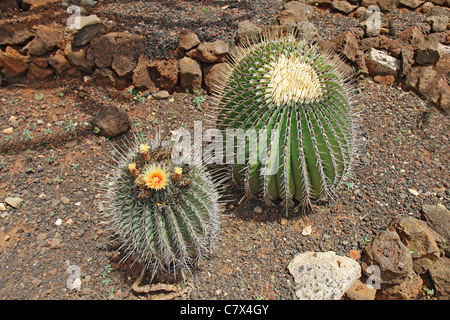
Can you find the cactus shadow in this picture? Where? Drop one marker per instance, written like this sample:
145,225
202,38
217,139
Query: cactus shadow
130,270
257,210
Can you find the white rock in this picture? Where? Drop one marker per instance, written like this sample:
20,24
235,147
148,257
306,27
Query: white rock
76,284
58,222
306,230
413,192
2,206
83,21
379,62
323,275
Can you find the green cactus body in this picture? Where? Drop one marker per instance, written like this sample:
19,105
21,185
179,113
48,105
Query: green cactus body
297,109
166,216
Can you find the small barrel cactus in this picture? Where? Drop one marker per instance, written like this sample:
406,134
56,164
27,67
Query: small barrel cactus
165,215
290,114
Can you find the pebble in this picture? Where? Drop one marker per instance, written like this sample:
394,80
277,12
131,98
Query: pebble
101,207
55,202
41,236
35,282
14,202
65,200
258,210
2,206
413,192
76,284
163,94
354,254
306,230
14,123
86,291
56,242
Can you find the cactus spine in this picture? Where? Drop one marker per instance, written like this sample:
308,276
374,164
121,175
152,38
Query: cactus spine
290,111
165,215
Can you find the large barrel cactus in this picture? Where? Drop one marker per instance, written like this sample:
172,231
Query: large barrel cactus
166,215
289,112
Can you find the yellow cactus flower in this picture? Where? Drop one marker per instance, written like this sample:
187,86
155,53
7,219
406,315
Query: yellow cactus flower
177,174
155,178
133,170
144,150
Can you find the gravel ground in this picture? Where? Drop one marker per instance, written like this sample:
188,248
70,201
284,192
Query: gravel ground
52,160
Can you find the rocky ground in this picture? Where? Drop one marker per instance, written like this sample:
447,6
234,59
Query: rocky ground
52,159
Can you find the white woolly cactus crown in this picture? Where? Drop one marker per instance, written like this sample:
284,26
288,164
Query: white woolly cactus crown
297,109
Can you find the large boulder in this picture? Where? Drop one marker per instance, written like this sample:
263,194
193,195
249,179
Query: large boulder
59,63
307,10
164,74
407,60
86,34
141,76
37,73
188,39
290,17
190,74
106,77
323,275
9,5
360,291
14,35
420,241
388,252
388,5
247,32
347,44
439,274
111,121
210,52
438,218
412,4
438,23
46,38
409,289
213,75
343,6
32,4
14,64
80,58
119,51
427,52
379,62
413,35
